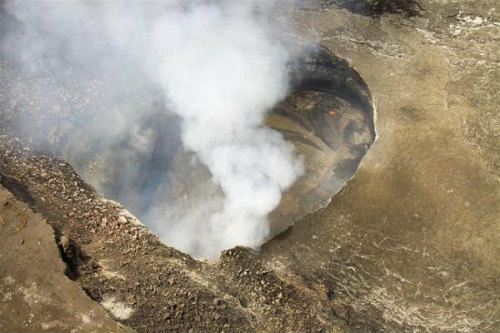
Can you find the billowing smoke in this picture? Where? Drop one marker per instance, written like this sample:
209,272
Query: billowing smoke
183,92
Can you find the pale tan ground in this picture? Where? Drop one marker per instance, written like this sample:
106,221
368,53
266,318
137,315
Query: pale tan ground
414,239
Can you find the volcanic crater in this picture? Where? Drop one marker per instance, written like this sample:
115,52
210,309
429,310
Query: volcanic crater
328,116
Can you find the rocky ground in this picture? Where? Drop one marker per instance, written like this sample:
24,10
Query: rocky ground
410,244
140,281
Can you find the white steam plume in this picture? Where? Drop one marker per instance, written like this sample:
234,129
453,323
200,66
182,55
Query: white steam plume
220,70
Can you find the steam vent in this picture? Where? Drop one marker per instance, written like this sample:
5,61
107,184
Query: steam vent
307,166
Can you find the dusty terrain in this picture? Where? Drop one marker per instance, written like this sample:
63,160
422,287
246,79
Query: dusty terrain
411,243
413,237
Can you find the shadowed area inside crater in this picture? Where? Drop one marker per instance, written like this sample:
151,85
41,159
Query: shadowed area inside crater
328,116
